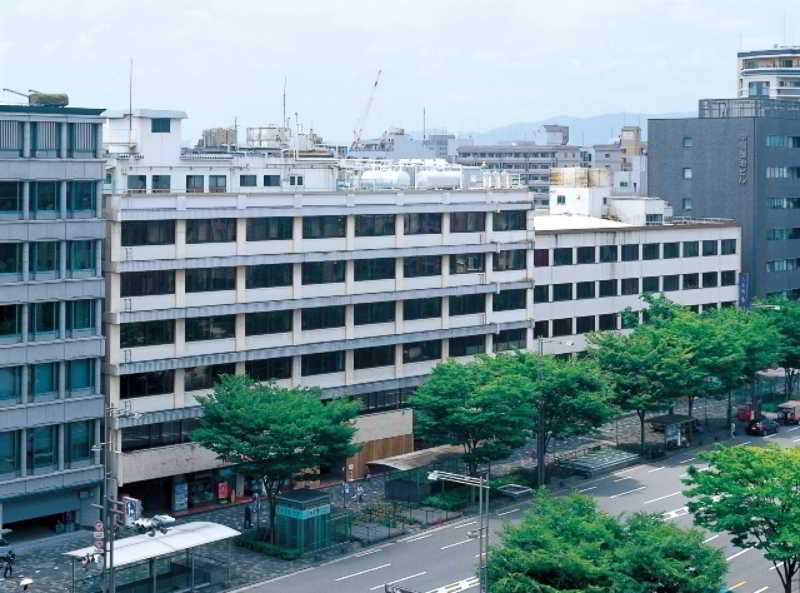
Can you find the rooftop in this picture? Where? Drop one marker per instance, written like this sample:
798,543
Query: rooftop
563,222
526,147
149,113
49,110
778,50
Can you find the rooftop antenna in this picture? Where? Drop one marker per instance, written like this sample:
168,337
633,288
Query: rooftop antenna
784,26
283,120
130,102
424,130
235,133
296,136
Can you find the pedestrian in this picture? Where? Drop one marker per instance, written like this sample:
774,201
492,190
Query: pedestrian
8,571
360,493
733,429
248,517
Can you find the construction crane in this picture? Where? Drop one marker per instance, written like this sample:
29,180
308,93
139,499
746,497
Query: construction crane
364,114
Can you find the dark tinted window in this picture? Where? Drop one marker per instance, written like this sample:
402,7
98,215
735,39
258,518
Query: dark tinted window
144,384
509,220
381,268
204,377
323,272
584,324
366,313
277,228
218,230
423,265
146,333
268,322
710,247
378,356
728,246
562,292
710,279
269,369
586,255
268,275
467,304
210,328
148,232
651,251
585,290
325,362
210,279
691,249
422,308
147,283
422,224
541,258
374,225
324,227
728,278
467,345
608,288
691,281
323,317
630,286
466,263
562,256
513,259
506,300
630,252
650,284
671,250
562,327
422,351
670,283
467,222
608,253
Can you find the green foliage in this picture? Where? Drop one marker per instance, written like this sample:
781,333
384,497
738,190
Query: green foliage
565,545
521,476
450,500
786,319
274,434
253,539
765,482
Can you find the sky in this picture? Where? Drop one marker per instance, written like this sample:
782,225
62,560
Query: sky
472,64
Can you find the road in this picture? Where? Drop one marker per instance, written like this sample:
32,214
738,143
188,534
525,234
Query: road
443,559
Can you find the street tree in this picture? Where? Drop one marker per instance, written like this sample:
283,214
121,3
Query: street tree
462,405
274,434
784,315
566,545
567,397
752,493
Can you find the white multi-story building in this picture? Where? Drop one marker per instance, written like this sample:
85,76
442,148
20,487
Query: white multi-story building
244,263
769,73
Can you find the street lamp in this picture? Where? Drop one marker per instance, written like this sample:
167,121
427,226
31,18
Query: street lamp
541,436
481,483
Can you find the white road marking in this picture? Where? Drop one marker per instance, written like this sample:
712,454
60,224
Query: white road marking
657,469
773,567
355,574
688,460
587,489
630,469
628,492
795,440
368,552
463,541
662,497
459,526
507,512
711,539
381,586
737,554
737,585
743,444
761,590
458,586
623,479
769,436
794,428
273,580
416,539
676,513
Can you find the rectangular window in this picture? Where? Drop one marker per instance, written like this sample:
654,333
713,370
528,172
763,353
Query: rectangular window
10,322
607,322
650,284
80,376
653,219
195,184
205,377
210,328
82,199
584,325
608,288
81,258
710,247
159,125
134,284
277,228
44,198
42,455
374,225
562,256
324,227
423,265
562,292
541,258
467,222
541,329
43,320
467,345
43,381
11,137
78,437
80,316
728,278
272,180
691,248
630,286
422,308
368,313
687,172
688,142
295,180
146,333
216,230
687,204
586,255
691,281
10,261
507,300
562,327
467,263
422,224
148,232
146,384
320,364
248,180
137,184
585,290
670,283
630,252
217,184
10,194
510,339
651,251
268,275
9,442
608,253
82,140
161,184
323,272
710,279
422,351
728,246
269,369
44,259
509,220
377,356
671,250
210,279
322,317
10,386
513,259
467,304
381,268
268,322
541,293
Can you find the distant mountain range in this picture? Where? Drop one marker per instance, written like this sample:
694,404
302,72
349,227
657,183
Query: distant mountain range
598,129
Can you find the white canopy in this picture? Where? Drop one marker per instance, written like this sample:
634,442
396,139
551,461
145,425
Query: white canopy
130,550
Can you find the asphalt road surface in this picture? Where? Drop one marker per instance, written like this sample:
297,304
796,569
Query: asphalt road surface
444,559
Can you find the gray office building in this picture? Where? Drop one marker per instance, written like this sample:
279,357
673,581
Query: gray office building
51,303
740,158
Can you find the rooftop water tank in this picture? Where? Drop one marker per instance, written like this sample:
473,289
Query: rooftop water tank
439,179
385,179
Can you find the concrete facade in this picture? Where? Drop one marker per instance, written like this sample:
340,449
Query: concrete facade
737,160
51,295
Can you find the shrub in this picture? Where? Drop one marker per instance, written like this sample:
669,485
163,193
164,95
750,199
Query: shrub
253,539
450,500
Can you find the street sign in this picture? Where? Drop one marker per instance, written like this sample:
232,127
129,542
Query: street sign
745,296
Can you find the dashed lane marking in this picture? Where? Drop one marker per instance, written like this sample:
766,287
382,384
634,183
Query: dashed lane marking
460,525
394,582
761,590
688,460
628,492
463,541
711,539
359,573
662,497
587,489
655,469
507,512
737,554
676,513
743,444
737,585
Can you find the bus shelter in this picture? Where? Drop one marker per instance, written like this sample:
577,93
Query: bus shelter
188,557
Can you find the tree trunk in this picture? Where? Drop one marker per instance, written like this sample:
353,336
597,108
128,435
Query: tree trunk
541,452
691,405
272,509
641,414
730,408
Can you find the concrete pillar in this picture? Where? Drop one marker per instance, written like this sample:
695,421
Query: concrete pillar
62,253
63,146
445,312
98,201
97,440
489,343
349,322
529,339
399,230
180,239
445,228
445,271
349,276
297,326
350,232
297,281
241,284
489,225
62,186
23,452
297,371
62,320
297,234
398,361
180,337
241,338
25,317
62,379
98,317
26,200
399,281
24,384
179,389
489,307
26,261
60,431
98,257
99,150
445,349
241,368
349,358
27,139
398,317
180,288
98,376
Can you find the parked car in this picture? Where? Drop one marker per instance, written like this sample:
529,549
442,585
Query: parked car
762,427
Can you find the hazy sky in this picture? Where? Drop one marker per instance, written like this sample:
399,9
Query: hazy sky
474,64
